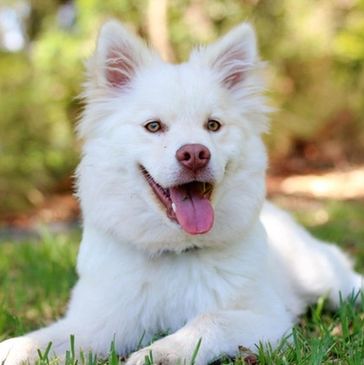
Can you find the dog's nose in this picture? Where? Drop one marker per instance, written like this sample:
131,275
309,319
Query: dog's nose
193,156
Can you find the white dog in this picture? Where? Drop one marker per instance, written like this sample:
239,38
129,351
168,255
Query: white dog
177,235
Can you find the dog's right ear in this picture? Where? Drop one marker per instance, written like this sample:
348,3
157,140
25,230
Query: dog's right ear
118,56
232,57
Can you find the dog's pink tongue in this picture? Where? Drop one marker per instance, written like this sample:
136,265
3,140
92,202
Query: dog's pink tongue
193,211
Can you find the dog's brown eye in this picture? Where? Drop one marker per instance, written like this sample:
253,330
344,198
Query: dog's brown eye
153,126
213,125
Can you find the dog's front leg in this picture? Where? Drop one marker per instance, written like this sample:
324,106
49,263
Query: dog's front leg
24,349
220,332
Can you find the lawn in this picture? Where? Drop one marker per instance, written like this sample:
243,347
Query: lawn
36,278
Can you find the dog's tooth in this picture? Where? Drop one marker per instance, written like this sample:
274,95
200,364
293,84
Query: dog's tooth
174,207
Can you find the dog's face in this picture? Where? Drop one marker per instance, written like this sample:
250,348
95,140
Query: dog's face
173,157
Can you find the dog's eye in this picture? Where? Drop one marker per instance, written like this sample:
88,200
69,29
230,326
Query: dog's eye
213,125
153,126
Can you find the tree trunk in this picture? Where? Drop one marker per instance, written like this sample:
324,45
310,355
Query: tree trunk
158,28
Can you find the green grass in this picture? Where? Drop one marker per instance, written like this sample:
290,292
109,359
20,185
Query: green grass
35,281
36,278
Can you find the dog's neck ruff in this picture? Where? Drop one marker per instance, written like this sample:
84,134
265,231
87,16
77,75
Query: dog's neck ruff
187,250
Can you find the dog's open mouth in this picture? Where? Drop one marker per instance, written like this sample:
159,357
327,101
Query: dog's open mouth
188,204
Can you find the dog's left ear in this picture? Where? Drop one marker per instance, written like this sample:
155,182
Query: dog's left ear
118,57
232,56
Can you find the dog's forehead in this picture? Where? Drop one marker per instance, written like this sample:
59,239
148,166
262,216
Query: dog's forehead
178,88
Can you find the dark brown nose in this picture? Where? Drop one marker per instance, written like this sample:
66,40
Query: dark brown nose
193,156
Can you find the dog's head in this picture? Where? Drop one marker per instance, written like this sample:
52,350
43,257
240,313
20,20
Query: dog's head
172,155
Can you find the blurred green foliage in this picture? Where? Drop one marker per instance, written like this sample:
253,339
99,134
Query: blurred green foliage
316,79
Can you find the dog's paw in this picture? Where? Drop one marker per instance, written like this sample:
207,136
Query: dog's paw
151,355
166,351
16,351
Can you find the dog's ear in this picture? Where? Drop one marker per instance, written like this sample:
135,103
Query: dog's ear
119,54
232,56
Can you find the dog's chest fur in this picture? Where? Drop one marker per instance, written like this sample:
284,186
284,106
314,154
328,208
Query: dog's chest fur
161,293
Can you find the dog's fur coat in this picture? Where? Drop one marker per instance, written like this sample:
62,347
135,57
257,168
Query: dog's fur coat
241,282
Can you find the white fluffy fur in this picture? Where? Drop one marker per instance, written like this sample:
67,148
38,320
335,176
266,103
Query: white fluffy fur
246,280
